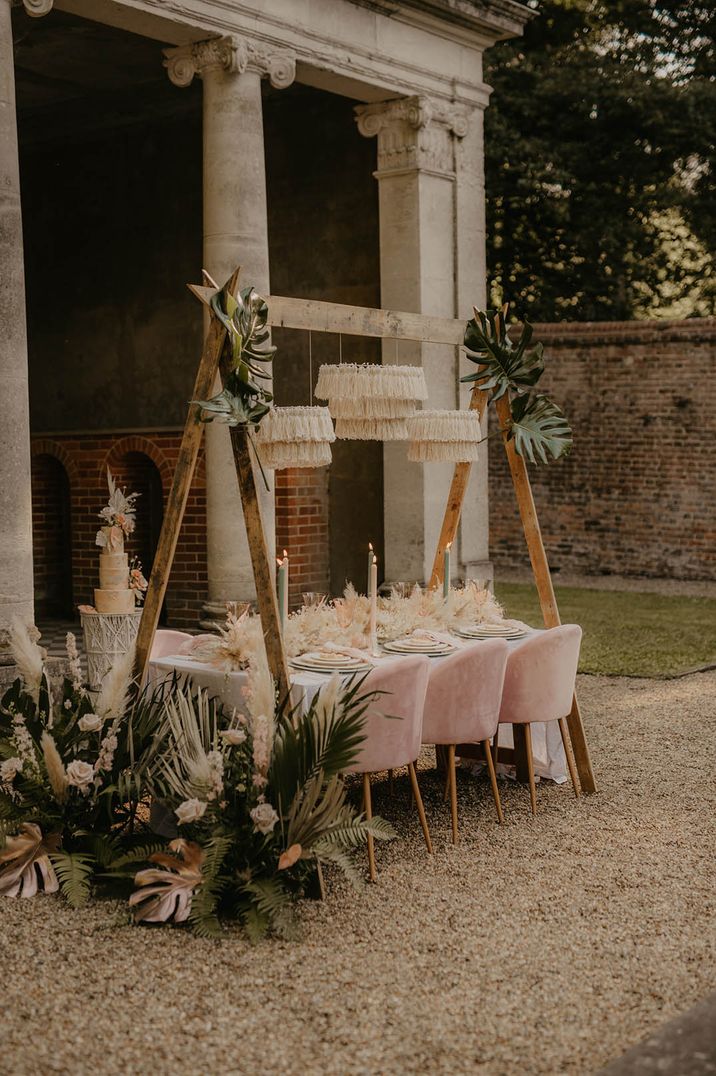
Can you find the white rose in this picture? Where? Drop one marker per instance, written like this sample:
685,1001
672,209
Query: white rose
233,736
189,811
264,817
8,769
80,774
90,723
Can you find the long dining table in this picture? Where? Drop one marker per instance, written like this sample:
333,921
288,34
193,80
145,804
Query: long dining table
547,748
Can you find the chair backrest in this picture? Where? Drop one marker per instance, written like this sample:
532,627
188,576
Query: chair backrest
540,677
390,743
462,704
167,642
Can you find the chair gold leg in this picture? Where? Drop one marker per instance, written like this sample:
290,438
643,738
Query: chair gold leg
496,746
568,752
419,805
531,768
493,779
446,790
452,773
368,808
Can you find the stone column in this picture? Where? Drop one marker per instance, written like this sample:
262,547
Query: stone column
427,266
235,233
16,579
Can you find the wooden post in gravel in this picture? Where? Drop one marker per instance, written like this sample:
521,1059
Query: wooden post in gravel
543,580
210,364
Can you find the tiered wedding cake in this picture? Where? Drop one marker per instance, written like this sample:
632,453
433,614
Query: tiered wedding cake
115,593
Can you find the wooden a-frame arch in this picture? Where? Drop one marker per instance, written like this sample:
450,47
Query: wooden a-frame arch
358,321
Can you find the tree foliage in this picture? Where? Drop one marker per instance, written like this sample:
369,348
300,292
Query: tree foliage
600,160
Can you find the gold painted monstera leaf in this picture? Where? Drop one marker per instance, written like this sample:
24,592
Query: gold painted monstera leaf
165,896
25,867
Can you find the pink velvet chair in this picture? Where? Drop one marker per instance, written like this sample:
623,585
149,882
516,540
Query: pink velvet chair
392,743
539,686
167,642
462,705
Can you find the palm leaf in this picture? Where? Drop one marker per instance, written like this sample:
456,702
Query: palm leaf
74,872
325,852
539,427
327,738
502,364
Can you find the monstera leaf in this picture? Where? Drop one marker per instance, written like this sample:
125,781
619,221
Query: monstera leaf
234,410
538,426
244,401
503,365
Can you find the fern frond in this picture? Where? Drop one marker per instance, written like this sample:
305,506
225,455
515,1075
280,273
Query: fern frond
206,898
255,924
325,852
74,873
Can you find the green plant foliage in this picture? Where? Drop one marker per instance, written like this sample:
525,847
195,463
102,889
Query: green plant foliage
503,365
539,428
602,123
74,873
243,401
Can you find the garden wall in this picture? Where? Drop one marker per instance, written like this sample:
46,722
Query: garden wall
637,494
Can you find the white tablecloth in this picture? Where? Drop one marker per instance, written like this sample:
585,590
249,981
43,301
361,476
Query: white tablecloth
547,748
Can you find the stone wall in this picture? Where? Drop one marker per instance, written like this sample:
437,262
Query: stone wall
636,496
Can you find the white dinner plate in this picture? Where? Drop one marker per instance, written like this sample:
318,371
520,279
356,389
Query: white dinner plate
326,671
490,635
431,649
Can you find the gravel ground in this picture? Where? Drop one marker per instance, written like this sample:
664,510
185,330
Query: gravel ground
541,946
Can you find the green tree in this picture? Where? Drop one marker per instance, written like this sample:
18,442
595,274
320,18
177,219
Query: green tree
600,160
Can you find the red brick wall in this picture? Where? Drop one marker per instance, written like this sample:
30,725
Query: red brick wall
131,458
51,536
637,494
137,462
302,529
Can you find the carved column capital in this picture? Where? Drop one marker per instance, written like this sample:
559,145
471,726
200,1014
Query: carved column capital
37,8
233,54
414,133
279,65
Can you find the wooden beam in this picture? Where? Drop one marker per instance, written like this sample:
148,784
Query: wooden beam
263,570
179,492
456,498
543,579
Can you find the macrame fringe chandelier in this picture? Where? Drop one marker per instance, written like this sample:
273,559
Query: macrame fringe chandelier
371,402
451,436
295,437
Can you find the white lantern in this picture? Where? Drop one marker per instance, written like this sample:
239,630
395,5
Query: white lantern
295,437
370,402
451,436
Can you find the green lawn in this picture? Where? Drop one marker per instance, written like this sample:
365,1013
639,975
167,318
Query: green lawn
627,634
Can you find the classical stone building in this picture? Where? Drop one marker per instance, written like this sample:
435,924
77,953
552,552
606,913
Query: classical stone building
333,148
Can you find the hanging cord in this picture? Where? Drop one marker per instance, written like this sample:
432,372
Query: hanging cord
310,370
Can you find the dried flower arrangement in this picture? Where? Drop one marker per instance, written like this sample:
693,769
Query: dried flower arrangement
254,804
119,514
67,794
248,807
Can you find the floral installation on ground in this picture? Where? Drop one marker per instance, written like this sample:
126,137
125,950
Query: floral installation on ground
192,812
254,805
67,792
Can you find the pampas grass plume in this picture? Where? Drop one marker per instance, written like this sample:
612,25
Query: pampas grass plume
28,657
55,769
114,694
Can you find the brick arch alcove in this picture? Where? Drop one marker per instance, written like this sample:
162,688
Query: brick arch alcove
52,473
